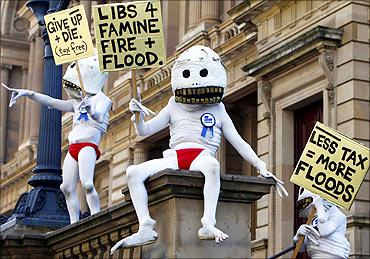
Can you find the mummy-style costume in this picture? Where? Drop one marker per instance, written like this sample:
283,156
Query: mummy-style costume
325,236
197,118
90,121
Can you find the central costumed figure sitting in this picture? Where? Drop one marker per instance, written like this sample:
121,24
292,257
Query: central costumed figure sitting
197,118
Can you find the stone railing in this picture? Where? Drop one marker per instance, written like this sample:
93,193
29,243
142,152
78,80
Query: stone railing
175,202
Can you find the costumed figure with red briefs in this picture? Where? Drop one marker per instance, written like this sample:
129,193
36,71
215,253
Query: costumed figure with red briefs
196,118
325,236
90,121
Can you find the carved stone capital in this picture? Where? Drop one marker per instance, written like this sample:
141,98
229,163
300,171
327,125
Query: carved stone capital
6,67
141,152
327,60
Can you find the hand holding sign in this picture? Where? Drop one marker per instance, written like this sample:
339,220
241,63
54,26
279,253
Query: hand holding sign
136,106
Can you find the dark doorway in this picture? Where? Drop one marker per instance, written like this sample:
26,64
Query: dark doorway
304,122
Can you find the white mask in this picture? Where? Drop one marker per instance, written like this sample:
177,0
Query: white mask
93,78
198,76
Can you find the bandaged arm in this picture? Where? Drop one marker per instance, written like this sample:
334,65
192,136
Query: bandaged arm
61,105
243,148
154,125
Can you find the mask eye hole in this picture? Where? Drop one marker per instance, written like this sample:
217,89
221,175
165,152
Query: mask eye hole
203,72
186,73
301,191
73,64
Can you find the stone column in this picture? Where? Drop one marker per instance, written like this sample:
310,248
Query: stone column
210,12
249,135
27,114
37,82
22,112
141,152
194,12
5,74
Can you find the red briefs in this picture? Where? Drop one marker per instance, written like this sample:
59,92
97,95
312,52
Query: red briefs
75,148
186,156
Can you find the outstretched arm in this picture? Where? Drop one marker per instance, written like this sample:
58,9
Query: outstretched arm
246,151
61,105
152,126
66,106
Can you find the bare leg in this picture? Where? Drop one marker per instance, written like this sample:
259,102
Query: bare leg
86,164
136,175
210,167
68,187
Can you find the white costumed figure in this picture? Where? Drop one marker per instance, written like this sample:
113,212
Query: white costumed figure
90,121
325,236
197,118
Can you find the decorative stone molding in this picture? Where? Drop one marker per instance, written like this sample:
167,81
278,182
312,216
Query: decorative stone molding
303,43
6,67
264,90
328,64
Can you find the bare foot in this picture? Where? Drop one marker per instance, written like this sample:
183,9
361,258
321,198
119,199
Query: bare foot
143,237
212,233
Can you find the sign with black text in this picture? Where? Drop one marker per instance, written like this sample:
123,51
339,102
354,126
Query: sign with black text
129,35
332,166
69,35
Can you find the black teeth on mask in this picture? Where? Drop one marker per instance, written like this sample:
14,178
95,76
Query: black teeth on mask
304,203
199,95
69,85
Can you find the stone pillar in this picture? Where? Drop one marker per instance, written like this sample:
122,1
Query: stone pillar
141,152
22,113
5,71
37,82
249,135
194,12
210,12
27,122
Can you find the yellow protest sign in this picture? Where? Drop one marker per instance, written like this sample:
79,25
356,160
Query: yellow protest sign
332,166
69,35
129,35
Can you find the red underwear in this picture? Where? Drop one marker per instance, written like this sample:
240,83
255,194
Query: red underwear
186,156
75,148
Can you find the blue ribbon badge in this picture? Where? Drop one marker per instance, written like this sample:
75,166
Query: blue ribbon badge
208,121
83,114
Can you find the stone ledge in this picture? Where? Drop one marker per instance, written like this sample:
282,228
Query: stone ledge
182,183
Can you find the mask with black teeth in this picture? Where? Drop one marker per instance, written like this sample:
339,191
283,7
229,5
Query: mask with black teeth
93,78
198,76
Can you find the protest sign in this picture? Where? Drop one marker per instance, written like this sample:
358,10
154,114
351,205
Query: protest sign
69,35
332,166
129,35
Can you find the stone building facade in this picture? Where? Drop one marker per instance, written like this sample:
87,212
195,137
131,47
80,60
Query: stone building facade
290,63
